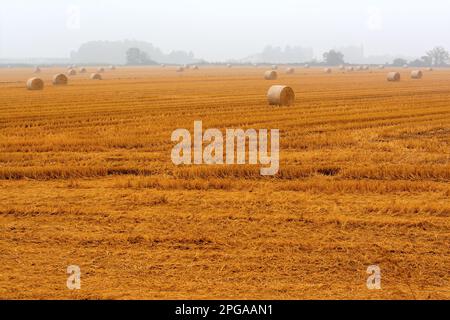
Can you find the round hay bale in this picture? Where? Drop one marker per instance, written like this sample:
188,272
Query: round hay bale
381,67
280,95
365,68
393,76
37,70
163,65
96,76
416,74
270,75
186,66
195,67
229,65
35,84
350,69
100,70
405,66
72,72
327,70
290,70
112,67
60,79
274,67
306,66
83,70
430,69
180,69
358,68
341,67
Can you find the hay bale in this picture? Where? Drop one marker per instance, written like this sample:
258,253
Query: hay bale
290,70
96,76
60,79
180,69
270,75
416,74
350,69
229,65
393,76
37,70
405,66
365,68
112,67
327,70
306,66
430,69
35,84
163,65
100,70
381,67
83,70
186,66
341,67
72,72
358,68
274,67
280,95
194,67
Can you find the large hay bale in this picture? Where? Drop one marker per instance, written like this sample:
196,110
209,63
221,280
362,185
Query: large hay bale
270,75
306,66
163,65
430,69
100,70
281,95
350,69
37,70
72,72
180,69
358,68
416,74
290,70
341,67
195,67
35,84
229,65
393,76
365,68
60,79
83,70
112,67
274,67
96,76
381,67
327,70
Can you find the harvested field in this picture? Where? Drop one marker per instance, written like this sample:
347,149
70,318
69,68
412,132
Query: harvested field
86,179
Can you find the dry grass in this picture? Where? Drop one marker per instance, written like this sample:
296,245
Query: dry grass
86,179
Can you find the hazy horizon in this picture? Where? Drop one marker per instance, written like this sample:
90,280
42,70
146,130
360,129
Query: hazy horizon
219,30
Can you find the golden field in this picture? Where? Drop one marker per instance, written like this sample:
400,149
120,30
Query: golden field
86,179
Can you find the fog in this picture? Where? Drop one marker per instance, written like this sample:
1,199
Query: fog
220,30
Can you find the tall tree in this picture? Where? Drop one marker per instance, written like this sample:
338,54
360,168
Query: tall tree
439,56
333,58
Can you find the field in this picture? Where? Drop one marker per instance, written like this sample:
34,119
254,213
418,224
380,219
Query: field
86,179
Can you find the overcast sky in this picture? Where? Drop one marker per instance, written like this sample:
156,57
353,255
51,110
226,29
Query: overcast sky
219,30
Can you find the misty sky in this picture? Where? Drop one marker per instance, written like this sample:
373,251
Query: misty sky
219,30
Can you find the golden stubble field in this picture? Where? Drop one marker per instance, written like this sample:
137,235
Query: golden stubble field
86,179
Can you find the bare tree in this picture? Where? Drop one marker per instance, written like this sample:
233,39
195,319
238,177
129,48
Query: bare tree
439,56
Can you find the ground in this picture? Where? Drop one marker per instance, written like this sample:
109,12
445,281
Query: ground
86,179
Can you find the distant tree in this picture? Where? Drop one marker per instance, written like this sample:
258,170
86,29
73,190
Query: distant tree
333,58
427,61
438,56
399,62
137,57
